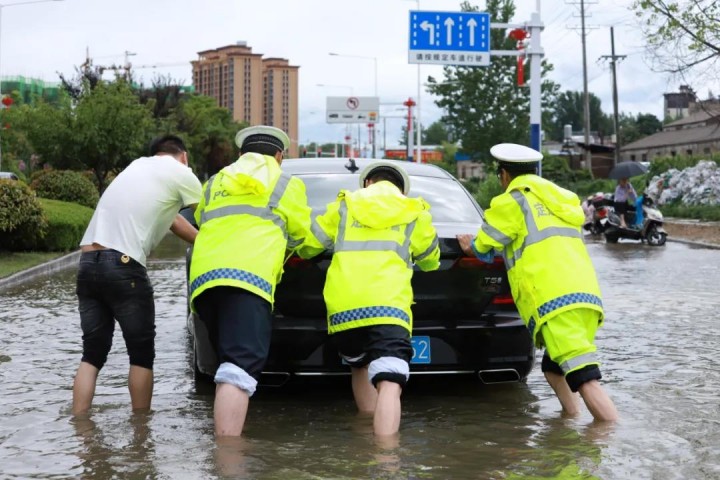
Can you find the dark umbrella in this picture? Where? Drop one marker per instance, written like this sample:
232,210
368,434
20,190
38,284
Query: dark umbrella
627,170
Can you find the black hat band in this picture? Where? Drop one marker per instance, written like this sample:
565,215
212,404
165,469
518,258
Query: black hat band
259,138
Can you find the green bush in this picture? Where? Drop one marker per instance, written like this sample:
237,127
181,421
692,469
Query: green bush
67,223
698,212
22,222
680,162
487,190
557,170
65,185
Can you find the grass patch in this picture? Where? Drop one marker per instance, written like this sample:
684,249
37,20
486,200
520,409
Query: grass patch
13,262
698,212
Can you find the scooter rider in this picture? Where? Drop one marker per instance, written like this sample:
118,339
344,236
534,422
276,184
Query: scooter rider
536,225
376,234
624,193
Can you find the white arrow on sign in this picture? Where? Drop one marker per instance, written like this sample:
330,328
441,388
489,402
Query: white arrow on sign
429,26
471,25
449,22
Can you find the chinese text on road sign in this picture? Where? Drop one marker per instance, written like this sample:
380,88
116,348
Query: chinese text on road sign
450,38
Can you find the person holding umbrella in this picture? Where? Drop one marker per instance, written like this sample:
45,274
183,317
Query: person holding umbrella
624,191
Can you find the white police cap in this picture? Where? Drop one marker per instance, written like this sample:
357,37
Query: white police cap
515,154
386,165
262,134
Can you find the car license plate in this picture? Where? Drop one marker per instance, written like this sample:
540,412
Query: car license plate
421,350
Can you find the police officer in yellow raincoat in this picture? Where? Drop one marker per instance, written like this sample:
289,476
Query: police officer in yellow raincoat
376,233
537,227
250,214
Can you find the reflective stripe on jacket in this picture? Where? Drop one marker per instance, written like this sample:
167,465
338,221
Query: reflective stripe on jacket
376,234
537,226
250,213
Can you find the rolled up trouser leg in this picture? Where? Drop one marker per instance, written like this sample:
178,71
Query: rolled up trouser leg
232,374
390,369
569,342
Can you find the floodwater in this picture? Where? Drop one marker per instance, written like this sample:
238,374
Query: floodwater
659,349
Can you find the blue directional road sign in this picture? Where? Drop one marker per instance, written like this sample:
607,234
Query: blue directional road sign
450,38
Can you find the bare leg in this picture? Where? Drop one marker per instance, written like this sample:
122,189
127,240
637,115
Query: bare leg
231,406
622,221
365,394
140,384
84,388
598,402
230,457
387,411
569,401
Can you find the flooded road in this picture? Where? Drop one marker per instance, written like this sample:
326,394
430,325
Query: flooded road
659,348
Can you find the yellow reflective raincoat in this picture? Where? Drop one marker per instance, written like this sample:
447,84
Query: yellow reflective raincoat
376,234
537,226
250,214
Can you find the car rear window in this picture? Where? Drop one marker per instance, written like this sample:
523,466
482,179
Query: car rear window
449,202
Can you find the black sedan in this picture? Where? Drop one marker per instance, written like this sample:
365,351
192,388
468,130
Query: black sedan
465,321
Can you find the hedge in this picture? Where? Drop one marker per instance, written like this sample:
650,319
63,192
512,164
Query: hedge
22,221
65,185
67,223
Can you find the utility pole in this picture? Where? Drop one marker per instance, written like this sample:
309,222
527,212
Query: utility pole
613,63
586,115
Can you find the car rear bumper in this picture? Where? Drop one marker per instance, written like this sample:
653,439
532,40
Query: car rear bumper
497,349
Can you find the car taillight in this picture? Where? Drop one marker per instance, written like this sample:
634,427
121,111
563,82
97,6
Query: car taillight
473,262
503,300
297,262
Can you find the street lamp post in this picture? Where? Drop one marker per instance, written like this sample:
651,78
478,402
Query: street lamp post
1,9
419,91
374,59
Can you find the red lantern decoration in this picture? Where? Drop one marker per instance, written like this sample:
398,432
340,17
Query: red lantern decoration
518,34
7,101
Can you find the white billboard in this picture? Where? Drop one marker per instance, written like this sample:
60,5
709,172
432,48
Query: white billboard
352,109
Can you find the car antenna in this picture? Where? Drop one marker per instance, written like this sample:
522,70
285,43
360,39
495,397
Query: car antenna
351,165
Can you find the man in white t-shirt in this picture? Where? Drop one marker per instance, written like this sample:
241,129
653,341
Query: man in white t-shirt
133,215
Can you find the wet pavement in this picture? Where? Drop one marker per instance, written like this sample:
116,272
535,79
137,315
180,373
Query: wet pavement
659,349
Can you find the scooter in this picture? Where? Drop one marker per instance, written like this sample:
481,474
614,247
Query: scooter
596,208
647,227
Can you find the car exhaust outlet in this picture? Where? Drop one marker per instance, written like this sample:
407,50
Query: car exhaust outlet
274,379
503,375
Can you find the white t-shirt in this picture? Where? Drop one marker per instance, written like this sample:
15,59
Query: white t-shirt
138,208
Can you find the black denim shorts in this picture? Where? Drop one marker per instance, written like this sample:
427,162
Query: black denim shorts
112,286
239,325
360,346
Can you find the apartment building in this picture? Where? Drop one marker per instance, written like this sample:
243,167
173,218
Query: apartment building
256,90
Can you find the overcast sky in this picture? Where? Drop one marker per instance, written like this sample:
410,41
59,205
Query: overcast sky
39,40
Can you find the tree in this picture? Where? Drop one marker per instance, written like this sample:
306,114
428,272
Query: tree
163,96
111,128
209,131
436,134
681,34
634,128
41,129
569,110
404,133
483,105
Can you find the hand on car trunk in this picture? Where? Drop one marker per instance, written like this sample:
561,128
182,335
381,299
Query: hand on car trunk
465,241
